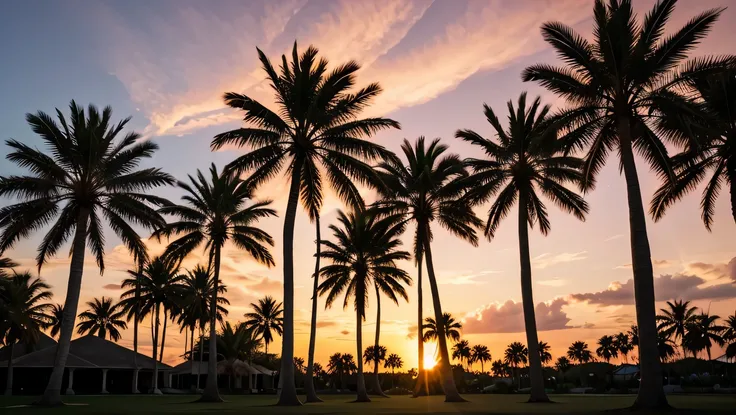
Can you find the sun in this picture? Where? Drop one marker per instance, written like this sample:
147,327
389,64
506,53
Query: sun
429,361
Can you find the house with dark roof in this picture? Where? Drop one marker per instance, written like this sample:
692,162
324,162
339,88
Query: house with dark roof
94,365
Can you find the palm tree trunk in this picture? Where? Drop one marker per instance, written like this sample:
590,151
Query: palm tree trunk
448,383
9,374
377,384
530,322
201,354
163,335
136,317
309,385
191,360
362,393
420,388
155,390
211,393
651,393
288,397
52,395
731,168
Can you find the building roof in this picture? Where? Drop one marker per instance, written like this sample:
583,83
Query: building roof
626,370
20,349
46,358
186,368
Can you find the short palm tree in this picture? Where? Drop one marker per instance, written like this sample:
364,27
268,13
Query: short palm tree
461,351
702,332
89,175
623,345
665,346
562,365
423,192
618,89
544,353
522,163
335,367
375,354
674,320
315,131
366,252
450,327
579,352
156,287
515,355
266,319
235,343
104,318
482,355
56,315
607,348
393,362
499,368
25,314
634,335
216,211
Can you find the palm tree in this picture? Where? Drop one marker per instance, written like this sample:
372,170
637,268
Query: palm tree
524,161
267,317
393,362
310,391
56,315
88,175
315,130
235,343
375,355
481,354
6,263
623,345
618,89
579,352
562,365
716,137
24,313
335,367
607,348
154,288
500,368
544,353
515,355
702,332
299,364
217,211
422,192
674,321
450,327
729,335
104,318
634,334
366,252
665,346
461,351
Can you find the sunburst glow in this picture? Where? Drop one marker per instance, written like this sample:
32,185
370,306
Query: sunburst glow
429,361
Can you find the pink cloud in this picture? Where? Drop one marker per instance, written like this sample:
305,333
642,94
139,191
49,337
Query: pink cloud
509,318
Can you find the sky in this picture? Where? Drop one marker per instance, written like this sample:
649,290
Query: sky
168,63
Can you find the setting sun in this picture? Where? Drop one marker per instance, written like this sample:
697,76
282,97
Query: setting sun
429,361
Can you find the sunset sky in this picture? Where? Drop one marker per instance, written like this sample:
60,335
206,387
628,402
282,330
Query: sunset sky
167,63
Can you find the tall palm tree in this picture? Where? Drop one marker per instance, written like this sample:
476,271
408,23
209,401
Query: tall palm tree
149,291
702,332
90,174
266,318
217,210
104,318
524,161
714,149
56,315
579,352
450,327
674,320
544,353
393,362
425,191
623,344
365,253
516,354
316,129
481,354
607,348
461,351
375,355
618,88
25,313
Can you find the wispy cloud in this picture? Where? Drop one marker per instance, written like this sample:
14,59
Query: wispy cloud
547,260
657,263
463,277
613,237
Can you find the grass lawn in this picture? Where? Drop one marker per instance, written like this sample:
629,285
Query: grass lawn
479,404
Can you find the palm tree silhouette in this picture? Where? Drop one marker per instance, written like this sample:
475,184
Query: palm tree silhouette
235,343
267,318
515,355
6,263
90,175
481,354
579,352
336,368
702,332
524,161
217,211
562,365
375,354
623,345
104,318
56,315
393,362
544,353
366,252
716,133
424,191
450,327
729,335
24,313
315,130
461,351
618,89
607,348
500,368
674,320
665,346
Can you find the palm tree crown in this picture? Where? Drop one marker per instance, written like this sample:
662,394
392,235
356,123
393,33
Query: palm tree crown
56,315
266,318
702,332
450,325
461,351
544,353
516,354
675,318
103,318
579,352
23,307
481,354
375,355
607,348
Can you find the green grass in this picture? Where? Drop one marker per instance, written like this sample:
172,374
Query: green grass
479,404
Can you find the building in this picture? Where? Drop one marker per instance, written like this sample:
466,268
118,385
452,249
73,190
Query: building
236,376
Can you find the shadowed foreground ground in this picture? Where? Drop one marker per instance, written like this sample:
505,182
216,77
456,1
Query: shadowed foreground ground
480,404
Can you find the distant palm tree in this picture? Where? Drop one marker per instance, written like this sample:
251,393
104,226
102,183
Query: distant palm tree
516,354
89,175
562,365
716,139
104,318
665,346
316,130
674,320
24,313
523,162
500,368
335,367
451,328
619,92
481,354
393,362
702,332
607,348
365,252
623,344
217,210
461,351
375,355
266,318
579,352
235,343
56,315
729,335
299,364
422,192
634,334
544,355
